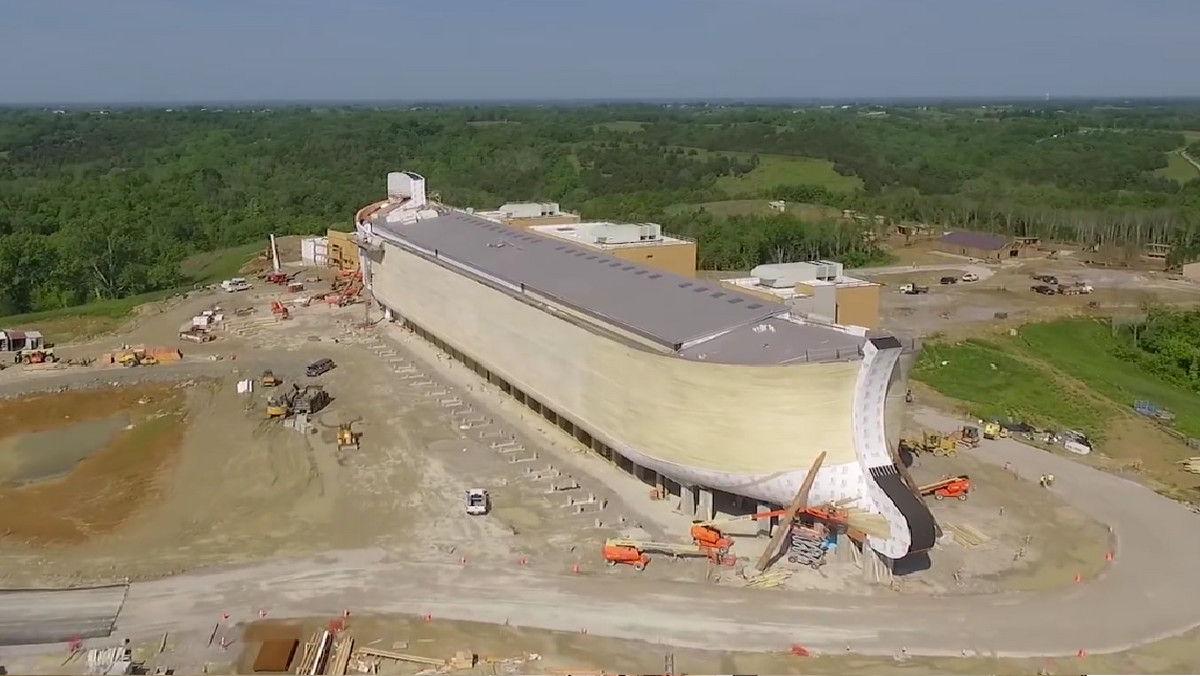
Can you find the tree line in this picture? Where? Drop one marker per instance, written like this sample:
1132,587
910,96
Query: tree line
105,204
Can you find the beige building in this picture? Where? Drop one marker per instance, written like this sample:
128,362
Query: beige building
342,250
816,289
642,243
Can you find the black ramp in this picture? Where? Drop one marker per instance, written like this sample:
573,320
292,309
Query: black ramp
58,615
921,524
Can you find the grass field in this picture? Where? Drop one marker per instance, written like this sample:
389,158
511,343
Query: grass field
1178,169
775,170
1065,373
993,383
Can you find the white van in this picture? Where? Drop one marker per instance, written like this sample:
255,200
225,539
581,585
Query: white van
478,502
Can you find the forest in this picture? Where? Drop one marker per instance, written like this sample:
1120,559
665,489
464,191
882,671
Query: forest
1166,343
103,204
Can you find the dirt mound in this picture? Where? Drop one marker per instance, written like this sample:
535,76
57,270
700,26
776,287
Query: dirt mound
77,465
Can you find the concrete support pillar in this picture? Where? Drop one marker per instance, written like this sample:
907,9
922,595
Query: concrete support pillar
660,486
764,526
687,500
387,313
706,511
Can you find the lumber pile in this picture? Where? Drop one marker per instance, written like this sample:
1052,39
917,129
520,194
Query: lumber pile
769,580
366,660
1191,465
966,535
871,524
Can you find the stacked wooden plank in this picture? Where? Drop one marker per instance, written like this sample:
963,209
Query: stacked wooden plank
1191,465
966,535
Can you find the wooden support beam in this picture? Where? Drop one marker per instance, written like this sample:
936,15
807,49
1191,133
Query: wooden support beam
798,504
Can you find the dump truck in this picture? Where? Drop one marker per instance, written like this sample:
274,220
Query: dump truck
913,289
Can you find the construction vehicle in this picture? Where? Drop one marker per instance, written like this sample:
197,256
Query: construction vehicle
280,310
1075,289
196,335
1046,481
711,534
276,275
633,552
994,430
967,435
137,358
40,356
615,553
949,487
479,503
309,400
913,289
269,379
933,443
280,405
347,437
808,543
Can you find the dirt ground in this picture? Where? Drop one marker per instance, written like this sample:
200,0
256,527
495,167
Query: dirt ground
228,487
216,484
965,309
517,650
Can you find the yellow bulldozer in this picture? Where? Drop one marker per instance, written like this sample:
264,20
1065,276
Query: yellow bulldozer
347,437
269,379
137,358
994,430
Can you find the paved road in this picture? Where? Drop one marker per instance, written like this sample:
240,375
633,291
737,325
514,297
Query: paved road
53,616
1147,594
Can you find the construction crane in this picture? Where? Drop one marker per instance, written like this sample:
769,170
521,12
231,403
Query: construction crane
276,275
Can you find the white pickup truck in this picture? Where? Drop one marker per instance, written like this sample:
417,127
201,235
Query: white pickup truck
235,284
479,502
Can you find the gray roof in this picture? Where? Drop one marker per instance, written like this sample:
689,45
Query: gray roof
783,342
655,304
976,240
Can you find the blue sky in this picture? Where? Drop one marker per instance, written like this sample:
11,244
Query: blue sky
221,50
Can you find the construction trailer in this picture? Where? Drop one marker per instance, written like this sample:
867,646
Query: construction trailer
16,341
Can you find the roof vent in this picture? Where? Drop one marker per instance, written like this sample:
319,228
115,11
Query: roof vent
735,301
654,276
684,285
591,257
754,306
640,272
717,294
627,268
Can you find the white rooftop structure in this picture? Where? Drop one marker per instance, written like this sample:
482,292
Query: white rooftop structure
608,235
